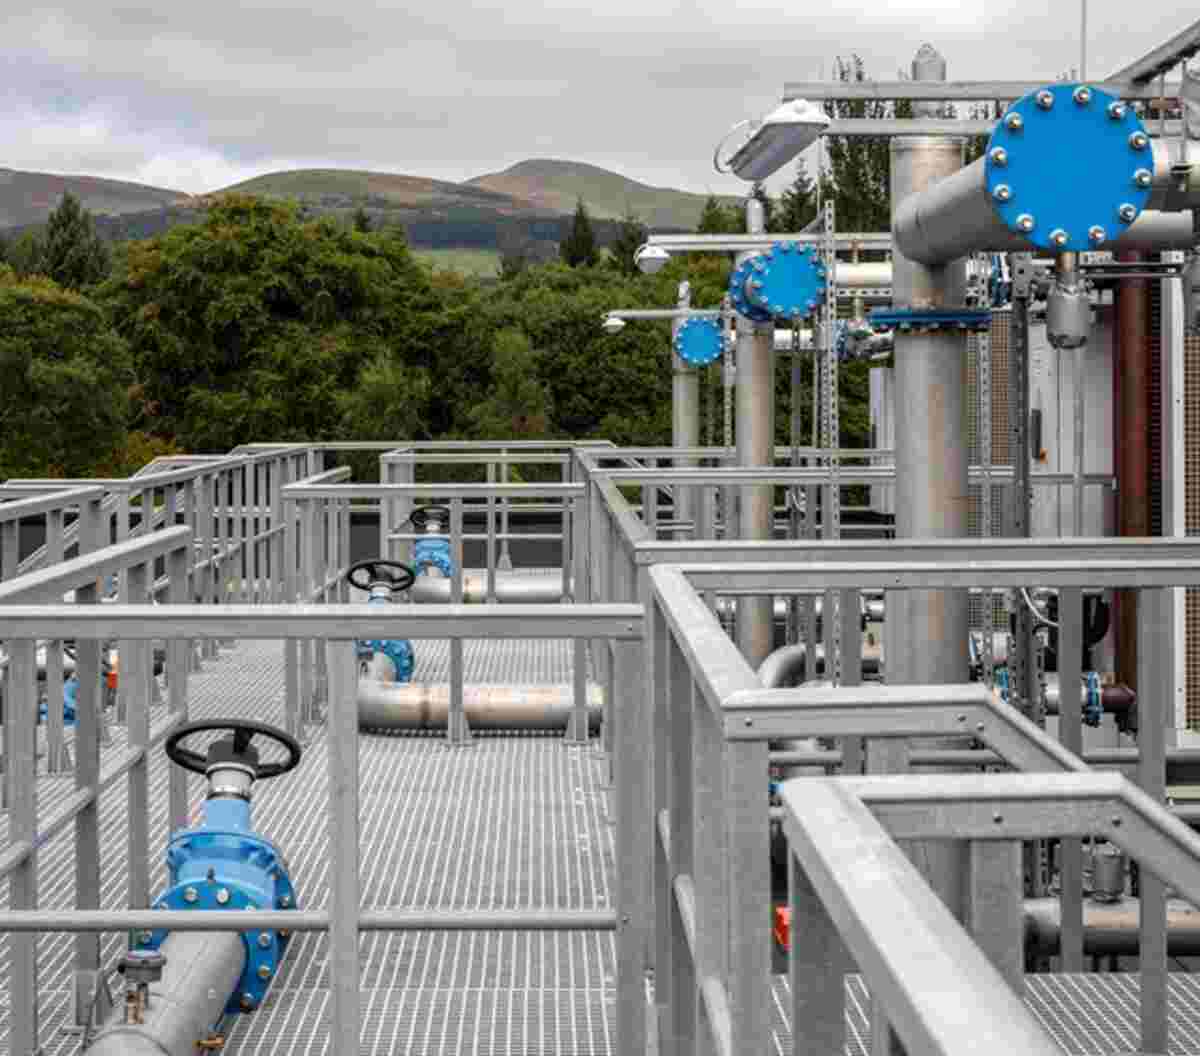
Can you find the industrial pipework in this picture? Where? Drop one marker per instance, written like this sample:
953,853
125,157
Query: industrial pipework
178,986
1069,168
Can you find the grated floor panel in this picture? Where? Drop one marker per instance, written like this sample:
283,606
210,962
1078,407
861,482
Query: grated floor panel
512,821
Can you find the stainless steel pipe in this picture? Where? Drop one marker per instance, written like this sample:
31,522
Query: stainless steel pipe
201,972
542,588
1109,928
425,706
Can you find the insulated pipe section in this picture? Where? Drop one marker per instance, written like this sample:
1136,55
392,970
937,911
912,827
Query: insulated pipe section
1068,168
201,972
1109,928
416,706
541,589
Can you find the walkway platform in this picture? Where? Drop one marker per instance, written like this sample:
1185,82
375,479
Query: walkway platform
512,821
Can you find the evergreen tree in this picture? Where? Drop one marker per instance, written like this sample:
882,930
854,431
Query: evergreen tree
518,406
72,253
798,203
362,222
718,219
630,235
580,250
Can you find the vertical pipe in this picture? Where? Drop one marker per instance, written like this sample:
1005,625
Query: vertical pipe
1132,449
685,414
931,498
755,423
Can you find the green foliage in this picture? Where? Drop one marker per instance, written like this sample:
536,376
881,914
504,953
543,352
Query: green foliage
798,204
65,398
362,222
518,404
630,235
72,253
719,219
579,249
250,323
25,253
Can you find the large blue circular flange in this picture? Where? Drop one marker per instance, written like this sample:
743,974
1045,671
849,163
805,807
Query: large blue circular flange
698,342
786,282
1077,167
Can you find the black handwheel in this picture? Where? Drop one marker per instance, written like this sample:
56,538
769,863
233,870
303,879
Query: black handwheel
396,575
235,750
422,515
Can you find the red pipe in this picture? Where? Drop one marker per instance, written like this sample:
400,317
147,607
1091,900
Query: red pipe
1132,447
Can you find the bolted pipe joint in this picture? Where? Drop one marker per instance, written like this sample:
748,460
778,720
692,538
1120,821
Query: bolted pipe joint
788,281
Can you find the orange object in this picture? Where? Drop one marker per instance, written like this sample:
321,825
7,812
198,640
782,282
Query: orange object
783,927
112,680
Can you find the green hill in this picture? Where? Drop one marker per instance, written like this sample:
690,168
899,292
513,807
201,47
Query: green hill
558,185
29,197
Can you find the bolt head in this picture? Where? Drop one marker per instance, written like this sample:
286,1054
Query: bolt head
1097,234
997,818
1116,110
247,1002
1002,192
1045,99
1059,237
1082,95
1143,178
1127,213
285,902
223,896
190,894
1025,222
264,939
264,972
1139,140
1014,122
145,936
999,156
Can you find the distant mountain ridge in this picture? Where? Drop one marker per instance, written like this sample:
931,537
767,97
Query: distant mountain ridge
530,202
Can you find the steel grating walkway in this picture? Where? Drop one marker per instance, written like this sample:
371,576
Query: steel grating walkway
512,821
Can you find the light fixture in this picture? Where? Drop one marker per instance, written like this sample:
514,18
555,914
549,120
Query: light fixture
777,139
650,259
612,324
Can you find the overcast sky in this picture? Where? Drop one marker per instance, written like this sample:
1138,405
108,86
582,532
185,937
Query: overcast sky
196,96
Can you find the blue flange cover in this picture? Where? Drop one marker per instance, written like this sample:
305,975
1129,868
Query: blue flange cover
222,865
1069,166
398,650
698,342
786,282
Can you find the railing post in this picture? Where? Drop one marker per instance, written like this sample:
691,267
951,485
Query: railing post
58,758
178,652
634,851
1070,733
135,687
345,1022
458,730
20,744
994,910
817,966
1155,715
89,701
710,848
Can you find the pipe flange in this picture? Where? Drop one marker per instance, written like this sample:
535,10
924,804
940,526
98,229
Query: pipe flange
788,281
699,342
932,320
1086,131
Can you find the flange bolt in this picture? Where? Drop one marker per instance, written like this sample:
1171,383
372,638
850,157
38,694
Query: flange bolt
1116,110
1002,192
999,156
1025,222
247,1002
1045,99
264,939
264,972
1083,95
190,894
1143,178
1059,237
1014,122
1097,234
223,896
1127,213
1138,140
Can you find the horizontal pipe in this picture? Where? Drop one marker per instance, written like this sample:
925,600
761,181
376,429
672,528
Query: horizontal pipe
955,218
201,972
205,920
542,588
1109,928
385,705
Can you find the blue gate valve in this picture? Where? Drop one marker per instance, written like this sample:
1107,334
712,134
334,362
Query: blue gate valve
382,580
222,863
432,550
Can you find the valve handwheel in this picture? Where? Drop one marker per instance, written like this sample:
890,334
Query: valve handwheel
394,574
237,750
422,515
